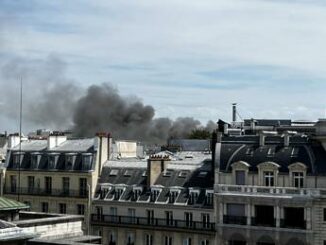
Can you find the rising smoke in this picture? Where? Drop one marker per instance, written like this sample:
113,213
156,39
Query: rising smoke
53,101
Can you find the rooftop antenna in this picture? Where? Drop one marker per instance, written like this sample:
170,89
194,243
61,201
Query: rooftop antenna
20,134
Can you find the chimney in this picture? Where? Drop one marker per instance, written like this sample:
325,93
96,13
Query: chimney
103,146
234,112
155,166
263,135
287,135
13,140
56,138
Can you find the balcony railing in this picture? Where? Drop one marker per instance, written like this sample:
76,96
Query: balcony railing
293,225
263,190
153,222
47,192
237,220
263,222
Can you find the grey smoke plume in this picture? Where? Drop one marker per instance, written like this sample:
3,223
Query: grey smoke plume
53,101
49,97
103,109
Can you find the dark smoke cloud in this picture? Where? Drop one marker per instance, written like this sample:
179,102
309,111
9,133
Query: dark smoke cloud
53,101
103,109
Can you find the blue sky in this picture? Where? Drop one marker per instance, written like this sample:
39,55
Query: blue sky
186,58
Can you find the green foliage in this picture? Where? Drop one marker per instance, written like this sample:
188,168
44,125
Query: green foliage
199,134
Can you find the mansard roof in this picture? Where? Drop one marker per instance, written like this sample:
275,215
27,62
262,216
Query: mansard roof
246,148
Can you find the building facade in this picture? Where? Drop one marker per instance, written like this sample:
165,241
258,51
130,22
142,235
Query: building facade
166,199
56,175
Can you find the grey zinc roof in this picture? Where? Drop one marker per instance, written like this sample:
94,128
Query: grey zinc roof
32,145
191,144
73,145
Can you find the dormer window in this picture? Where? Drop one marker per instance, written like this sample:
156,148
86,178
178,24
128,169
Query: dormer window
87,161
17,159
127,173
298,173
69,161
193,197
35,158
209,198
173,196
118,193
136,194
52,160
154,194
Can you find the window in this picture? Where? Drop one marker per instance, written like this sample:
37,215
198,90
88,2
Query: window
65,185
34,161
167,173
30,184
193,197
48,184
167,240
112,238
87,162
205,220
271,152
172,196
269,178
69,161
62,208
149,239
127,173
13,183
132,215
114,172
154,195
99,212
136,193
324,214
45,207
113,211
51,161
250,151
80,209
186,241
169,218
183,174
235,214
295,152
83,187
188,219
297,179
204,242
130,239
202,174
240,177
209,199
17,157
150,216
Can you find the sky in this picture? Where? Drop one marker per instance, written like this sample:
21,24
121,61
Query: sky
184,57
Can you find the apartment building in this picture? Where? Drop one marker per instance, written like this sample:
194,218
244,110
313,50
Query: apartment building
270,186
166,199
55,175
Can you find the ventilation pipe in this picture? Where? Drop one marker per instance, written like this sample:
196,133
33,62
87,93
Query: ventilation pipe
263,135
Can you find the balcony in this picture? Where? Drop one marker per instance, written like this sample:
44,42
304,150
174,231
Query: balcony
154,222
263,190
293,225
261,222
236,220
47,192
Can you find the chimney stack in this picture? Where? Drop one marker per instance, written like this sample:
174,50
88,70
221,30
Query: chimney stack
156,164
103,145
234,112
13,140
56,138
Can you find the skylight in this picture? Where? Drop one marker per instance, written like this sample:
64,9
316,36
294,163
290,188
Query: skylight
202,174
128,173
183,174
167,173
114,172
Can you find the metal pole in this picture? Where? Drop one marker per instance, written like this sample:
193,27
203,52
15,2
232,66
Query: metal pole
20,134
